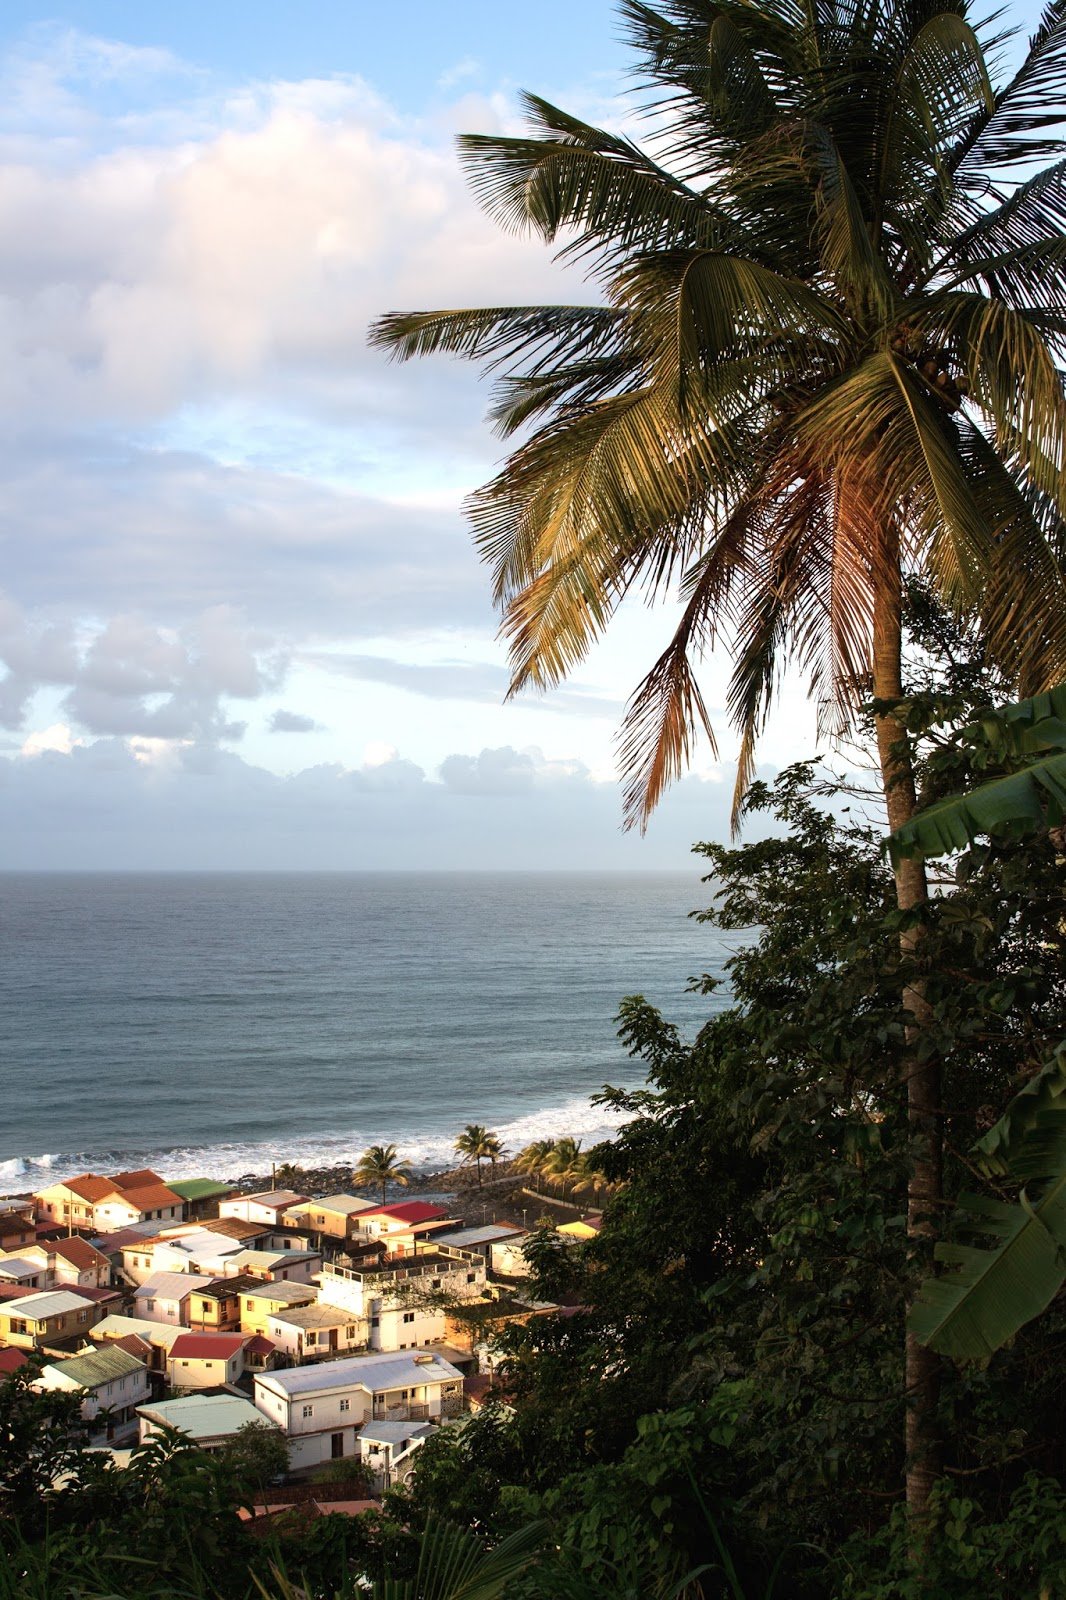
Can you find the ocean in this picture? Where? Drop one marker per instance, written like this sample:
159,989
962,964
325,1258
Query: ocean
209,1024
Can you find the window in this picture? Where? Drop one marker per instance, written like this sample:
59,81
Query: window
205,1308
184,1363
408,1316
312,1338
471,1277
436,1283
350,1331
83,1316
149,1305
346,1405
18,1325
308,1411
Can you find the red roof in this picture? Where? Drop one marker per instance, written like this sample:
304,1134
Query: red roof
140,1178
11,1360
80,1253
133,1344
207,1346
258,1346
152,1197
90,1186
93,1294
406,1211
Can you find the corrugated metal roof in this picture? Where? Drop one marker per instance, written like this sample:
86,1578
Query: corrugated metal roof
395,1432
200,1188
171,1286
79,1252
407,1211
346,1205
491,1233
46,1303
97,1366
389,1370
288,1292
208,1416
207,1346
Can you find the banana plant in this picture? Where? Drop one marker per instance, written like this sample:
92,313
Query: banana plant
1029,736
993,1288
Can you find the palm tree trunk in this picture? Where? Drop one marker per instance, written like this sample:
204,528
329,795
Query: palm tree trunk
922,1077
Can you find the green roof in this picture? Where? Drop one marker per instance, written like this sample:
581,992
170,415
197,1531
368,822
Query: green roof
200,1188
98,1366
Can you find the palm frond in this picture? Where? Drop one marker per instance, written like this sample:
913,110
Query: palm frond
1016,127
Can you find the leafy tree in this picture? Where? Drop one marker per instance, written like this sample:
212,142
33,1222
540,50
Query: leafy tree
257,1455
42,1442
382,1164
834,297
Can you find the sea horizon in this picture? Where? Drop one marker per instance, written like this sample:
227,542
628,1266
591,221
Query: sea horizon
235,1019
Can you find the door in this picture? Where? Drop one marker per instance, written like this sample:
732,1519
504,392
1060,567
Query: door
336,1446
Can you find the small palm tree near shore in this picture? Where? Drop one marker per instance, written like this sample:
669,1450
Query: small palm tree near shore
563,1164
478,1144
382,1164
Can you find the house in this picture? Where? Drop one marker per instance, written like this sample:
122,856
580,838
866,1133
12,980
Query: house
581,1228
50,1317
260,1298
78,1263
189,1249
28,1274
205,1360
93,1203
322,1408
334,1217
317,1332
482,1239
217,1308
266,1207
165,1296
507,1257
282,1266
211,1420
17,1228
405,1303
404,1225
11,1360
201,1196
157,1336
150,1202
388,1449
72,1202
112,1381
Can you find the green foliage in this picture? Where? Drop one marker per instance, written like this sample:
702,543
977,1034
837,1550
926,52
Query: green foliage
256,1455
1028,737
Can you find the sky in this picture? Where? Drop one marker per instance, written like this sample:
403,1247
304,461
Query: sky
241,621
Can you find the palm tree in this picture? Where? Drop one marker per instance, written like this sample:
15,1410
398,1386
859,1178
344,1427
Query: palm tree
564,1162
477,1144
833,299
382,1163
531,1159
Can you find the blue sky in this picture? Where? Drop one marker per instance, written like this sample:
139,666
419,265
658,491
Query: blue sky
239,612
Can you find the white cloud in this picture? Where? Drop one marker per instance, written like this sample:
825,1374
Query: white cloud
58,738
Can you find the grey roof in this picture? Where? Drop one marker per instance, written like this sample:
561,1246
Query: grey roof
395,1432
491,1233
317,1316
268,1258
19,1267
171,1286
386,1370
207,1416
346,1204
116,1327
45,1303
276,1199
97,1366
267,1289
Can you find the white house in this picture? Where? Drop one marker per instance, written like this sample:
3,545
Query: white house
282,1266
266,1207
316,1332
405,1304
165,1296
194,1250
113,1383
389,1449
210,1420
205,1360
322,1408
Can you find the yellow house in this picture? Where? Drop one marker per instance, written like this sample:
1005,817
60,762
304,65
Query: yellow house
53,1316
267,1299
205,1360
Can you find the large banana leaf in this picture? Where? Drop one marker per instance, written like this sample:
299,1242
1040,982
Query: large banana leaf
996,1288
1033,731
454,1565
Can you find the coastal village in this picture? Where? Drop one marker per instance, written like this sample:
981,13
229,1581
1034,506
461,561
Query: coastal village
354,1328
